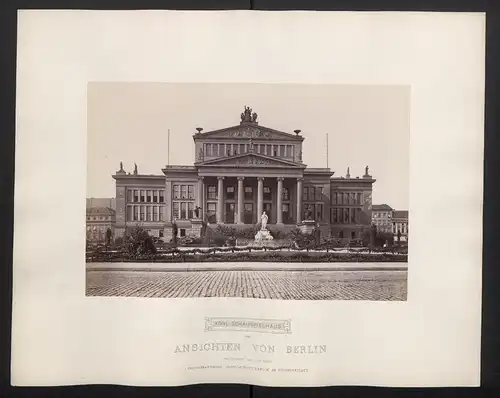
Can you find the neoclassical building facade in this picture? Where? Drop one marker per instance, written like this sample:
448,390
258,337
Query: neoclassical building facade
239,172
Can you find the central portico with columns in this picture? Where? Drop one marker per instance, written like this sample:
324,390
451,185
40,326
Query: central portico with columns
244,170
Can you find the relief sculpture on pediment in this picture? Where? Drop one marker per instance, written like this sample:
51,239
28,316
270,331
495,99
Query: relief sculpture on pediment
246,132
254,161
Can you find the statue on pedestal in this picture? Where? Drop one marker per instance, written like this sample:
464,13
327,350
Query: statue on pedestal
263,221
135,168
366,171
248,116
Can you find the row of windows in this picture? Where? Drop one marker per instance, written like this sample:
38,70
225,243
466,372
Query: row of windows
146,196
284,151
345,216
248,193
100,218
312,193
385,214
346,198
316,211
182,210
97,228
145,213
400,227
183,191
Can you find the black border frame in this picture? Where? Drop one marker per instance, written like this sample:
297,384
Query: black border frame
490,356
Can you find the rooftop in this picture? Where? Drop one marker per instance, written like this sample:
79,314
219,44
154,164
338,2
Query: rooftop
382,207
400,214
101,211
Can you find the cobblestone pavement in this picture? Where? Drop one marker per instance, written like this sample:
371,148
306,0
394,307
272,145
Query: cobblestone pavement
287,285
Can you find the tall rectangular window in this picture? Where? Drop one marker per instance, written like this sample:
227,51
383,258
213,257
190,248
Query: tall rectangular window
143,214
334,198
183,210
177,191
230,192
183,191
211,212
130,215
248,192
130,196
211,192
267,193
142,196
319,211
175,210
155,213
319,193
136,213
305,193
334,216
353,216
161,212
359,199
190,209
162,197
262,149
149,195
285,194
148,213
269,150
282,151
242,148
136,195
155,196
190,191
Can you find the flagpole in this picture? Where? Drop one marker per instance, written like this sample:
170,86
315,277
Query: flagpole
168,148
326,150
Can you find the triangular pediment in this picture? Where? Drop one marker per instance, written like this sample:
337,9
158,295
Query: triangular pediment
252,160
247,131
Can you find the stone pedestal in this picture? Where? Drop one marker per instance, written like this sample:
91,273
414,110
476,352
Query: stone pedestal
307,226
196,227
263,235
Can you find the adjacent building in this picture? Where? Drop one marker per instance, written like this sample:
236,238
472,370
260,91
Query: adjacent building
382,217
400,225
240,172
101,202
99,220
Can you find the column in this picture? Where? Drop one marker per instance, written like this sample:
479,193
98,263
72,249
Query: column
260,196
279,201
220,199
240,200
199,198
299,200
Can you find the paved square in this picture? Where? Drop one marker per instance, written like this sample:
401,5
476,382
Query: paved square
379,285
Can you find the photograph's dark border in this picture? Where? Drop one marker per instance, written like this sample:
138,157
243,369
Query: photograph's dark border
490,358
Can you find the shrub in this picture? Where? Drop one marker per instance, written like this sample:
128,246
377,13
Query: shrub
138,242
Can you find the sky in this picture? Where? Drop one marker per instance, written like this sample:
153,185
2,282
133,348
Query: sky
366,126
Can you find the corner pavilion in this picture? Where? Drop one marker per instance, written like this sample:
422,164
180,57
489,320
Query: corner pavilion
241,171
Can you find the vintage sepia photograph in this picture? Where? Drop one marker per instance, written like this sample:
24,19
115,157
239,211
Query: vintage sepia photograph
269,191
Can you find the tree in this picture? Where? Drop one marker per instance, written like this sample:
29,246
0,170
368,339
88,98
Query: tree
139,242
175,230
108,237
